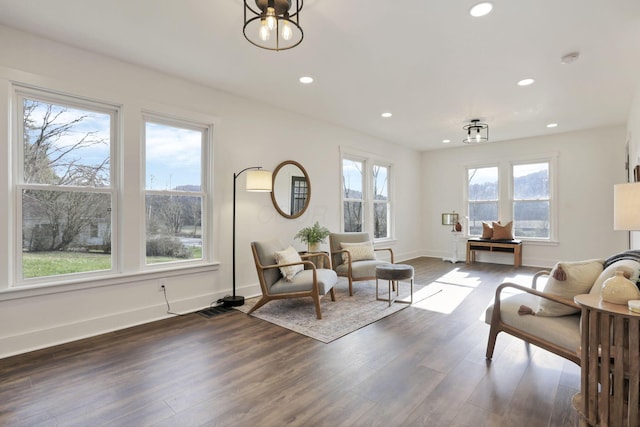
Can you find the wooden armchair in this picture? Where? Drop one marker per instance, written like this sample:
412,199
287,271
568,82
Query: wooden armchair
311,282
351,267
559,335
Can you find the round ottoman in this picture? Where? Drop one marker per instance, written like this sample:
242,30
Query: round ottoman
394,273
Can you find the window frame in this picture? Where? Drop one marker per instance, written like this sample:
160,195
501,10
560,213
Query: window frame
468,202
206,150
506,192
20,92
368,162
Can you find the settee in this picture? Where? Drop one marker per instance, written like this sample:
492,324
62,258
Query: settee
548,317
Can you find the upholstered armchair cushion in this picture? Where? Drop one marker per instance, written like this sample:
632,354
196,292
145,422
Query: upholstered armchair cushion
335,241
360,269
300,282
562,331
266,252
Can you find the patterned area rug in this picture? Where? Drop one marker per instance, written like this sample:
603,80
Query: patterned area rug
339,318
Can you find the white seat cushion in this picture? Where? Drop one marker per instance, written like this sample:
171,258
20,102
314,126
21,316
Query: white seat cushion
563,331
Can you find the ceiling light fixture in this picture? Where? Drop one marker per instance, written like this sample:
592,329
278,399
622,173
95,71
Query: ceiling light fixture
552,125
570,58
446,141
481,9
273,24
386,115
476,132
305,80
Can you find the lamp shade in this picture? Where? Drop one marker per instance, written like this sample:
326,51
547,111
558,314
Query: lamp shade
259,180
626,206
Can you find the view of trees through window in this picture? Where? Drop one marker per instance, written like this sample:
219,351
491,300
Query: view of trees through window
371,206
380,201
531,211
65,188
352,195
174,196
483,197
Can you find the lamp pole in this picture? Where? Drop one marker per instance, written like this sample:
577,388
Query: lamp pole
233,300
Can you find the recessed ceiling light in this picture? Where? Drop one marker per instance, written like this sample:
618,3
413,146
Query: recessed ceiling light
552,125
386,115
570,57
446,141
306,80
525,82
481,9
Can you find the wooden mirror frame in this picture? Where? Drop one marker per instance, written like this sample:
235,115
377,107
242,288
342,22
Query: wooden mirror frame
273,197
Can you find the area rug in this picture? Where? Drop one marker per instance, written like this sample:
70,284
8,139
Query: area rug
339,318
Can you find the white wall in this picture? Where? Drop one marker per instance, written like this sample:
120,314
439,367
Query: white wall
246,134
589,164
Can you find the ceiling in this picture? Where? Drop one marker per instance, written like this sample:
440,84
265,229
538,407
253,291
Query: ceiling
428,62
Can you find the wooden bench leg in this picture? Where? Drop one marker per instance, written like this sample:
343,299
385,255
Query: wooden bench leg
517,256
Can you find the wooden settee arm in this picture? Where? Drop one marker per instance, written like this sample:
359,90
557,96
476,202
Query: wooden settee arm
348,261
555,298
386,249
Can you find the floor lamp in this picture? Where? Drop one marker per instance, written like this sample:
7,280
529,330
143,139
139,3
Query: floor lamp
258,180
626,207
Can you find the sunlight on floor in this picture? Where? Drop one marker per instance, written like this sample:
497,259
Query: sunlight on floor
447,292
442,297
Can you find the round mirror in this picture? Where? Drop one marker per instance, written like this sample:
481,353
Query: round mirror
291,189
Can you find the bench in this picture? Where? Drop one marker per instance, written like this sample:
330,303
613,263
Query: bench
509,246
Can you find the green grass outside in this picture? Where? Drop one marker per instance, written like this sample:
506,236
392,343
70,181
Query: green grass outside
42,264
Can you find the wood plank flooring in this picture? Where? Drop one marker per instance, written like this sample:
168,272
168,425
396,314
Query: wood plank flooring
423,366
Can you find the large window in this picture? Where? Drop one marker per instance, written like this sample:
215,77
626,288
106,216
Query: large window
65,192
352,195
531,200
527,201
483,197
175,193
366,202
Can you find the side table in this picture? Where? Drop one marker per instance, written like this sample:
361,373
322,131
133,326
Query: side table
454,258
610,364
320,259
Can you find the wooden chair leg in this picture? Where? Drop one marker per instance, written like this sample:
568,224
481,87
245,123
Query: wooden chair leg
350,286
316,301
491,342
333,294
259,304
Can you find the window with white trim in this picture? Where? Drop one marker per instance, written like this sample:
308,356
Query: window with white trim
366,198
483,192
65,192
531,200
528,200
175,190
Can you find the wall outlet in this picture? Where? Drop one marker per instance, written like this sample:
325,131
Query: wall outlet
161,286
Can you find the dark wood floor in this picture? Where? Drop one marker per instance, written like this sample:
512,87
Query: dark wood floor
423,366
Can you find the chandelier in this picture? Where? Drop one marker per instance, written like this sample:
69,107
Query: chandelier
273,24
476,132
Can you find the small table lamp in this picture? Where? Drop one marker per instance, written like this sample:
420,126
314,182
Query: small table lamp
450,219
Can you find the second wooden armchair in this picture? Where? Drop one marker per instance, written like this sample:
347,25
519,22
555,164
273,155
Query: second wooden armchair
354,257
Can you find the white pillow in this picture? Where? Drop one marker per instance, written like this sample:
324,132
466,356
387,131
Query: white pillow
567,280
358,251
289,256
631,270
